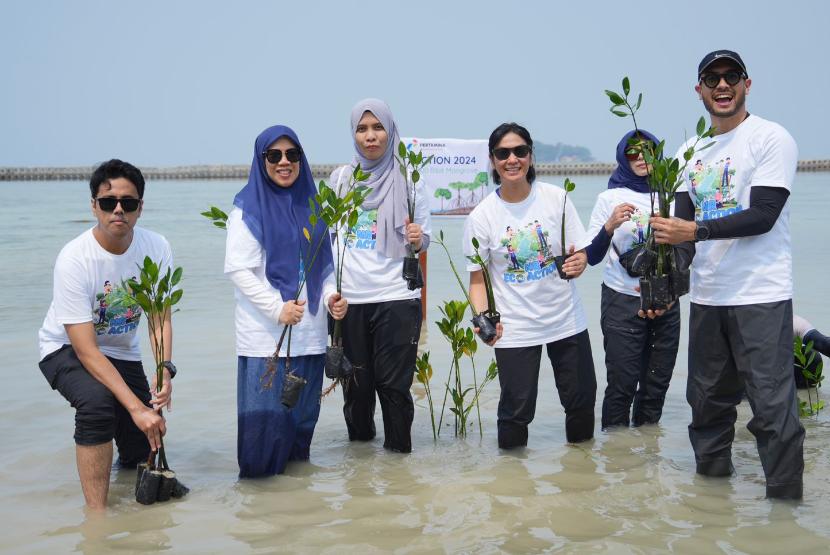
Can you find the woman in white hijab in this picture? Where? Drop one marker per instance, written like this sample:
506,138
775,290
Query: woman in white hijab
382,327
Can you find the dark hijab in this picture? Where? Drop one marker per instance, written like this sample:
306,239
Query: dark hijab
276,217
624,176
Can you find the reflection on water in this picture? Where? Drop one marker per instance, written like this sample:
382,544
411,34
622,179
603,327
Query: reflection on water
629,491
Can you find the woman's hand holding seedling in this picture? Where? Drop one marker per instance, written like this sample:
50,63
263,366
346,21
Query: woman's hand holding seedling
620,215
576,263
414,235
499,332
292,312
337,306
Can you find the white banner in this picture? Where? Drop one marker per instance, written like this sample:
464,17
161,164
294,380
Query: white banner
457,179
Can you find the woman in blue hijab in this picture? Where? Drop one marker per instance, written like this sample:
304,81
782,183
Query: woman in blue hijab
267,257
639,352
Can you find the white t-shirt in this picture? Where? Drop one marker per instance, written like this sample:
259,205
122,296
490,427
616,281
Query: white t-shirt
258,304
625,237
368,275
746,270
90,286
518,241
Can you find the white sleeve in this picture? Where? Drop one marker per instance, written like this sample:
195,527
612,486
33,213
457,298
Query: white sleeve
258,293
778,161
242,250
329,289
473,227
70,295
574,230
599,216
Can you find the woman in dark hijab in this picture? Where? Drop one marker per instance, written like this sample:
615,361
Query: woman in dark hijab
639,352
267,256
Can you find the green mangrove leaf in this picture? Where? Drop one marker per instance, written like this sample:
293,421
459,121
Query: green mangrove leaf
616,99
401,149
626,86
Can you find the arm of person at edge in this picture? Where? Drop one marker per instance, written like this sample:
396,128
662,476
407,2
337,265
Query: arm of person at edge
478,296
577,259
684,252
164,397
765,205
150,422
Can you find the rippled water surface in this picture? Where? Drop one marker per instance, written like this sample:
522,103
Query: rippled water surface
630,491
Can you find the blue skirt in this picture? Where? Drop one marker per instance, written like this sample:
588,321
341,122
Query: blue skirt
269,435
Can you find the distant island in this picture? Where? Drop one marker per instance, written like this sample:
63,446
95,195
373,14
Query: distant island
560,153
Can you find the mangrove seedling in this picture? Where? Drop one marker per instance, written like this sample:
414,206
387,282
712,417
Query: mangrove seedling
423,373
462,342
339,210
217,216
560,259
411,164
156,294
487,319
809,362
663,281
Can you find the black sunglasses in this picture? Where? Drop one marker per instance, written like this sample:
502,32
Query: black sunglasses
520,151
108,204
712,80
274,155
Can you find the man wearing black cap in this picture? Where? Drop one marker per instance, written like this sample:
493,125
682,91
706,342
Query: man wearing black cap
733,204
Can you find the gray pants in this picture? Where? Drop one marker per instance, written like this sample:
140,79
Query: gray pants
749,348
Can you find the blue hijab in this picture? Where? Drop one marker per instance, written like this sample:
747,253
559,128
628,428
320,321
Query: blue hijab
624,176
276,217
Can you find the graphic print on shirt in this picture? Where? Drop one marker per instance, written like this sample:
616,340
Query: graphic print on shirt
116,313
639,229
365,232
712,189
529,255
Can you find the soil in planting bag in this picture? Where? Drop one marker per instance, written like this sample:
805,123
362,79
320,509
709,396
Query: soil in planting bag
140,468
168,481
412,273
292,385
679,282
337,365
560,260
148,489
646,301
661,292
486,324
179,490
638,261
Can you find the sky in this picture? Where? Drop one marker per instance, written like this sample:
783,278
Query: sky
167,83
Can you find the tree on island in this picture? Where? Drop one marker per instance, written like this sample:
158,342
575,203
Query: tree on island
443,194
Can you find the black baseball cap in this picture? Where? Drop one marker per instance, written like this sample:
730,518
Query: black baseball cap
713,57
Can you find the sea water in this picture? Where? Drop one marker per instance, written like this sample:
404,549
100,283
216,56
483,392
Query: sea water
627,491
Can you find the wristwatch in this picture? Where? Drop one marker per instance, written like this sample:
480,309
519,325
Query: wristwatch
701,232
171,368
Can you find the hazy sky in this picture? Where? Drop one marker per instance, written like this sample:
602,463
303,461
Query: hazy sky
194,82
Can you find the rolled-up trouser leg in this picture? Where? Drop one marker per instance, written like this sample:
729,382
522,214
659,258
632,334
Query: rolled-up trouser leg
359,392
519,382
662,340
573,369
713,390
762,341
398,327
624,338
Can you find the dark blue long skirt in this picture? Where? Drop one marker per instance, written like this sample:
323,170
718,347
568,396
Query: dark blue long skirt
269,435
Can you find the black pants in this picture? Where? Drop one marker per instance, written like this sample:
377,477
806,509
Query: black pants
639,359
99,417
737,348
381,341
573,370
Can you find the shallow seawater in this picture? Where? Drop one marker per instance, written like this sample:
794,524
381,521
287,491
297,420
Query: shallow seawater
629,491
